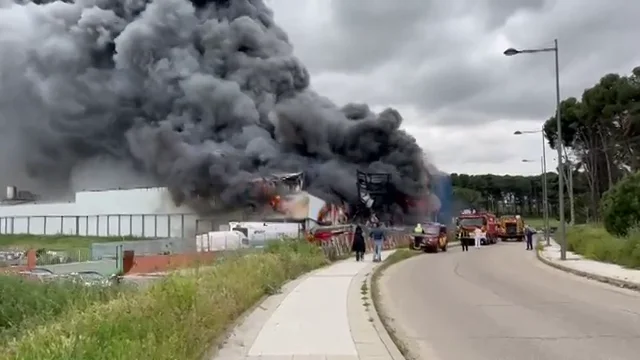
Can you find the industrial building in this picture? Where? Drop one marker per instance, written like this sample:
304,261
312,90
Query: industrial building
139,212
152,213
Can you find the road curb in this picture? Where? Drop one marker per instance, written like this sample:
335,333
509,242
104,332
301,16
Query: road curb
450,245
603,279
376,317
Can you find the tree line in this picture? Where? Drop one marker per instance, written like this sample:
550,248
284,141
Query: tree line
601,138
506,194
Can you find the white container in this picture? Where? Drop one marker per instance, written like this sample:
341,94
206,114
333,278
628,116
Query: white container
12,192
221,240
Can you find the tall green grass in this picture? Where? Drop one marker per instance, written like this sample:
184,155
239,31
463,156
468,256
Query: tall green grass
67,248
538,223
54,242
595,243
25,304
177,318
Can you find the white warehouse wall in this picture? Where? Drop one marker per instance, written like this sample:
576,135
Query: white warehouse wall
142,212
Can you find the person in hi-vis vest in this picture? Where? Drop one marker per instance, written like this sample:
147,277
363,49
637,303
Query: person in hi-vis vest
417,238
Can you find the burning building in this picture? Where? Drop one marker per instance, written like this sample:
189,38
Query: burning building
286,196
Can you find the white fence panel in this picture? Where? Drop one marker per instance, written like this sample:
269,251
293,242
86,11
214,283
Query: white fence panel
120,225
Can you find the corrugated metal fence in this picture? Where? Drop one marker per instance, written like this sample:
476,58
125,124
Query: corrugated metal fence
143,247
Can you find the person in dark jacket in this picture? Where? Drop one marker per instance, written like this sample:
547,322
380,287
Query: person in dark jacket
359,246
464,242
379,237
528,233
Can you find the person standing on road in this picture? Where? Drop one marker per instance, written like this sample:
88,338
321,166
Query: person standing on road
417,236
359,246
477,235
377,234
528,233
464,243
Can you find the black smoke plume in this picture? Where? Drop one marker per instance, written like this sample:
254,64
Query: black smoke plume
198,96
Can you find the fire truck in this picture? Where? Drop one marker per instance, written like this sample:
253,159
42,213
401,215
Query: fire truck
470,220
511,227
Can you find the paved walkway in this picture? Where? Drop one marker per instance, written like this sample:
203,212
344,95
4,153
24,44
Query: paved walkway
578,262
321,316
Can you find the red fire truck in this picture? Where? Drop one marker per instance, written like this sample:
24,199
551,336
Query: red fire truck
468,221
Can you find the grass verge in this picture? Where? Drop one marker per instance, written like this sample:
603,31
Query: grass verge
54,242
538,223
595,243
26,304
66,248
396,257
178,318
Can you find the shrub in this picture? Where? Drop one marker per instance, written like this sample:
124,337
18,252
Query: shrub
177,318
620,206
595,243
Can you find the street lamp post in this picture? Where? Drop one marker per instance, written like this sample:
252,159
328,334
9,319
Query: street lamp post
554,49
572,208
545,194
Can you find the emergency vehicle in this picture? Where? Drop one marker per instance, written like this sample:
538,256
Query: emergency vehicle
470,220
511,227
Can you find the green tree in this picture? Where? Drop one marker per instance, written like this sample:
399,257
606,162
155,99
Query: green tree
621,205
602,132
468,197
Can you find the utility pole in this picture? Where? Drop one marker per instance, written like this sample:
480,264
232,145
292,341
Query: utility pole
572,203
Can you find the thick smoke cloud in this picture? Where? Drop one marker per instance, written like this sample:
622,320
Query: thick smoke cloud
199,96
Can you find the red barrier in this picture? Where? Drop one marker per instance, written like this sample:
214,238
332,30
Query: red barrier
338,243
162,263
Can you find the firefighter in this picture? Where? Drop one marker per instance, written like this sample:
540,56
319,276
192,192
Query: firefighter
417,239
464,243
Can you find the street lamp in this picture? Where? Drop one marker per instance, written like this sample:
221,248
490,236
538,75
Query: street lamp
554,49
545,196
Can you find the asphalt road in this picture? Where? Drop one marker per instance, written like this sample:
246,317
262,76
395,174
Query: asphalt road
500,302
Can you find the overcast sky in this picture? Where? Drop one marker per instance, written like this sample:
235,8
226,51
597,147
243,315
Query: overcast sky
440,63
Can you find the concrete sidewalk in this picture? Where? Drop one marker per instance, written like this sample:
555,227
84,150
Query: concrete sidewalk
320,316
605,272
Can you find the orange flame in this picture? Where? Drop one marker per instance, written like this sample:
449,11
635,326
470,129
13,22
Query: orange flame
275,202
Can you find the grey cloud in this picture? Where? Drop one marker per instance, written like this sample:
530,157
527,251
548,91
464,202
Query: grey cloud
447,37
498,12
373,32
